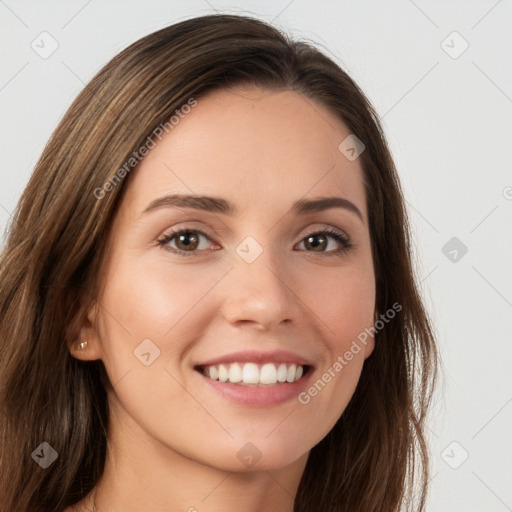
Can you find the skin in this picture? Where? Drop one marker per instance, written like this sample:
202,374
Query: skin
173,441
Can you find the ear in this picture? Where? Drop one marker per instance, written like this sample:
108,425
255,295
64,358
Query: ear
88,332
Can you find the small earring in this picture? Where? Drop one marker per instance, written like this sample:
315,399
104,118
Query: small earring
82,345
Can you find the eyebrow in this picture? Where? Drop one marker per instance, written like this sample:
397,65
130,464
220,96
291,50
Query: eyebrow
219,205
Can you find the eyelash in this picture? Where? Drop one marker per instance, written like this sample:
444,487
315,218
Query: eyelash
342,239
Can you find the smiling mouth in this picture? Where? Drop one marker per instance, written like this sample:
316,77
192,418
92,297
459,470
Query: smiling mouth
255,375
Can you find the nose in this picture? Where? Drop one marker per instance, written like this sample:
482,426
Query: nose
260,293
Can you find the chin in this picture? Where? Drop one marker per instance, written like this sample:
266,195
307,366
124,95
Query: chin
257,456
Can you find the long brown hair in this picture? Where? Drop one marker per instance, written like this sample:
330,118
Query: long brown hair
50,268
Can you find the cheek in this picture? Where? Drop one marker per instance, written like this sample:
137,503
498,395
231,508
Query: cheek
152,300
344,304
149,297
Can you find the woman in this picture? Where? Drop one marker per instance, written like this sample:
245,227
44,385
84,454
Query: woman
207,294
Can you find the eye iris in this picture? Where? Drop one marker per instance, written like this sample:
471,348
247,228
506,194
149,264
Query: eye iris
185,238
315,246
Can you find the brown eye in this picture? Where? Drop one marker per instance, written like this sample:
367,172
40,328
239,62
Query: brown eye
319,242
312,241
186,241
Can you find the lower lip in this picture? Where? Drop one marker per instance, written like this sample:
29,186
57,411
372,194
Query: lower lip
259,396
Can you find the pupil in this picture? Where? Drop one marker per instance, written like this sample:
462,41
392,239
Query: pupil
322,244
185,239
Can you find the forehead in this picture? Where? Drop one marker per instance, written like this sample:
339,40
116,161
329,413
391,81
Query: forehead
255,146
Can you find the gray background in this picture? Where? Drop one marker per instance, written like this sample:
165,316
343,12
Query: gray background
447,112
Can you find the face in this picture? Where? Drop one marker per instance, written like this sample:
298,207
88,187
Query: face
266,285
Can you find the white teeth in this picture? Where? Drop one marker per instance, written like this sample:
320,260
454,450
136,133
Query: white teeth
282,372
223,373
250,373
214,372
268,374
291,373
235,373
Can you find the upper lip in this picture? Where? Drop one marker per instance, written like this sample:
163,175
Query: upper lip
253,356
